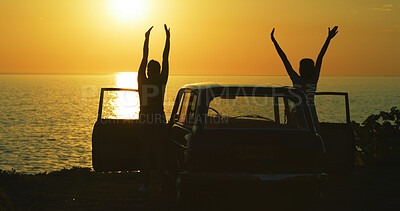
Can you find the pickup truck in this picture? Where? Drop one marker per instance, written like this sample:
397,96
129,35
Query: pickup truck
224,134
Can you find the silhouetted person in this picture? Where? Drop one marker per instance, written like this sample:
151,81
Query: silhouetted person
309,73
152,117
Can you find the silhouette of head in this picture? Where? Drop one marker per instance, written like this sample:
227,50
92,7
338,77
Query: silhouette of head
153,69
307,69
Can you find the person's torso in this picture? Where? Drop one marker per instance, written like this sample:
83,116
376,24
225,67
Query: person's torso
151,94
309,87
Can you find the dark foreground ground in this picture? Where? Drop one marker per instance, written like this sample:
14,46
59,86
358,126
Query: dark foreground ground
83,189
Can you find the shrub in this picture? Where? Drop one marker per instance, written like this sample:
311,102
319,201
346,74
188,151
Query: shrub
378,140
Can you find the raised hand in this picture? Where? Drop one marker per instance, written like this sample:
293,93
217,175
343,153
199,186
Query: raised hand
272,34
165,63
167,31
333,32
147,35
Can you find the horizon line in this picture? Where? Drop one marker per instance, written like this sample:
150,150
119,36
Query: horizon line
114,73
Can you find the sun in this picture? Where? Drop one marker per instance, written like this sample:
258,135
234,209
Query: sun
127,10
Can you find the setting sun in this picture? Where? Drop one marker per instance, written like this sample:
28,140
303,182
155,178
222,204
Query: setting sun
127,10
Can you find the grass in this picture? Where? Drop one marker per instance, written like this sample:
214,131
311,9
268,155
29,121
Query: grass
84,189
76,188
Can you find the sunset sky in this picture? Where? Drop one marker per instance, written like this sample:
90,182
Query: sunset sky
208,37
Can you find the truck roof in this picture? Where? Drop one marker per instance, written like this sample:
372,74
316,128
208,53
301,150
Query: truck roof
211,85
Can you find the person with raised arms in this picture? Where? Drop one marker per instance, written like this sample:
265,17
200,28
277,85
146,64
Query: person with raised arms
309,73
152,117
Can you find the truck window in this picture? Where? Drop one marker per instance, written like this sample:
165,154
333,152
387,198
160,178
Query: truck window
176,114
120,104
255,112
294,115
330,108
282,111
188,108
184,107
191,114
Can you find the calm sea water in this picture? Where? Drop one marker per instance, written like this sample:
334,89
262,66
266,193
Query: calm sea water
46,121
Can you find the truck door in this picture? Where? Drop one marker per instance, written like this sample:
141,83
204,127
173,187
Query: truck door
336,131
181,123
115,138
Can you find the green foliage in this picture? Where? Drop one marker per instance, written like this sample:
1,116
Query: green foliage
378,140
9,172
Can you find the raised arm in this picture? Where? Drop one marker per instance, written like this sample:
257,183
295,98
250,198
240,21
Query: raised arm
292,74
331,34
143,64
165,63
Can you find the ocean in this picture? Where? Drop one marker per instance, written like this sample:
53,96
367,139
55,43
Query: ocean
46,121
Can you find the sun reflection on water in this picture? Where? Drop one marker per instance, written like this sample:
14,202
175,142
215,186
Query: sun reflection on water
122,104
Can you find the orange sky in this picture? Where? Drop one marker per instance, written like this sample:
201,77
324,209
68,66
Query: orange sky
207,36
